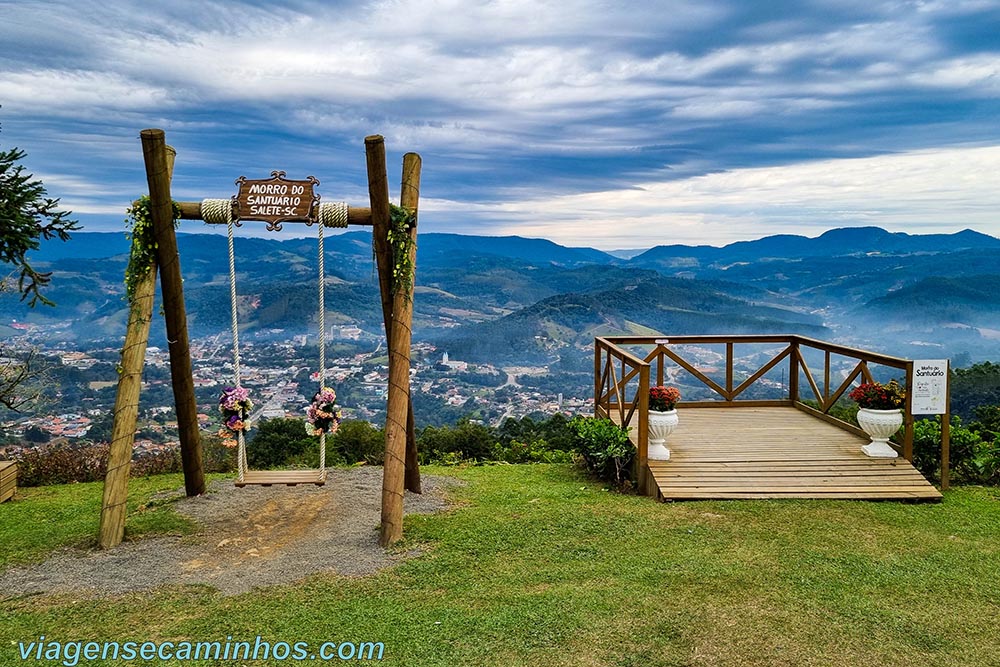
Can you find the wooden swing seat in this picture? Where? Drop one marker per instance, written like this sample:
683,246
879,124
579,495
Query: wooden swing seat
279,477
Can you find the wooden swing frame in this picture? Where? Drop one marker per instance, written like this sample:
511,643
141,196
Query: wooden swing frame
401,470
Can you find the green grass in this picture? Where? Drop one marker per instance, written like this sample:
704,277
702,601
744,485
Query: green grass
47,517
539,566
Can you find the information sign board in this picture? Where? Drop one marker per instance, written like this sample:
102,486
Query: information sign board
930,386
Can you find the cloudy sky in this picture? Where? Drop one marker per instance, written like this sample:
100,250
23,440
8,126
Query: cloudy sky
589,122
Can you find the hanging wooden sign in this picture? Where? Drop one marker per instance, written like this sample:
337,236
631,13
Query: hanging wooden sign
276,200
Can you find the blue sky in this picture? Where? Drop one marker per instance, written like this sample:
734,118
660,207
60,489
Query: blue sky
608,124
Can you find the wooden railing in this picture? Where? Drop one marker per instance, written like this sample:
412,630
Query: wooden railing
622,379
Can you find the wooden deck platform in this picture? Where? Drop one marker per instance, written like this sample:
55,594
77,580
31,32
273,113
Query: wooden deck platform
776,452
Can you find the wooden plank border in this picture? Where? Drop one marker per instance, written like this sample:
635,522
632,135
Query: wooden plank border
8,480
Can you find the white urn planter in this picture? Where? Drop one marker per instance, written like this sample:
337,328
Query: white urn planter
880,425
661,425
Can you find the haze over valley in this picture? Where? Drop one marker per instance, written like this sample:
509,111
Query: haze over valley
516,317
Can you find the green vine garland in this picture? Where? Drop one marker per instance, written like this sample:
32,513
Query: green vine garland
139,230
401,221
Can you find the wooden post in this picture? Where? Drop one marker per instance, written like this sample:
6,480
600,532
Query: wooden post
908,415
659,366
399,389
409,198
126,413
598,388
378,194
793,372
154,154
826,381
945,433
729,370
126,410
642,446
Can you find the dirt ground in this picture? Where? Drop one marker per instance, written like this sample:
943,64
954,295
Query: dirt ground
246,538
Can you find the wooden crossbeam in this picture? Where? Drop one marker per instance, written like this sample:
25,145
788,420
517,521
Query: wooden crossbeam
843,387
760,373
707,381
867,374
809,376
356,215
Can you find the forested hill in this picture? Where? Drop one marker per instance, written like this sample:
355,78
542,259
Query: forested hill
975,299
652,304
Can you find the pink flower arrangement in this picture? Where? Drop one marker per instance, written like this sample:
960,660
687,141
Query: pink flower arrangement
323,413
235,406
663,398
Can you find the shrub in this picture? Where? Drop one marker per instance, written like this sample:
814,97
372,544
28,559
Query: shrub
606,448
65,464
157,463
284,442
281,442
357,441
61,464
465,441
214,456
972,459
535,451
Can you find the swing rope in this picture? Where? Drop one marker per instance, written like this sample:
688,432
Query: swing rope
219,211
241,450
322,344
330,215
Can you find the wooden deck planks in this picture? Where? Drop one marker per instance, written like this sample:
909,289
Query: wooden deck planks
776,452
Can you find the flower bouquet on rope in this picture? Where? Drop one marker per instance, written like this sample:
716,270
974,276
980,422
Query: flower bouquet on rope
323,414
235,406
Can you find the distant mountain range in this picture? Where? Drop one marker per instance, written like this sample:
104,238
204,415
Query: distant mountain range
514,299
858,241
834,243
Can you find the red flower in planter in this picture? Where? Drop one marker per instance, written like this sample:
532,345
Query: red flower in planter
663,398
877,396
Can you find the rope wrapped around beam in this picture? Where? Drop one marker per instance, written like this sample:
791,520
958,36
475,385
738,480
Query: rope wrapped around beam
217,211
220,212
333,214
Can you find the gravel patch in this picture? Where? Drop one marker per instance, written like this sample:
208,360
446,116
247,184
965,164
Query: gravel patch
246,538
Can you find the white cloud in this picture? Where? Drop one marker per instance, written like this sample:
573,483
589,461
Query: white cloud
980,73
49,90
554,84
932,190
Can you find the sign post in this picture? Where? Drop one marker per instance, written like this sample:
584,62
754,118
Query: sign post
931,396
